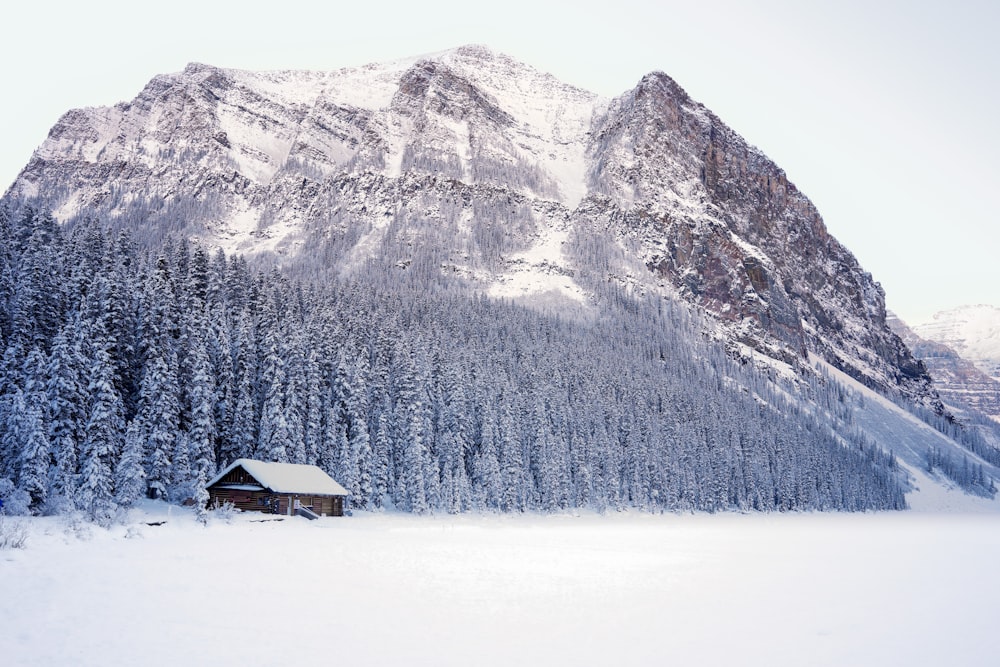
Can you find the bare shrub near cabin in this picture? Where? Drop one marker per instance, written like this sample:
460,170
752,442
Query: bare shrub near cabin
224,511
13,534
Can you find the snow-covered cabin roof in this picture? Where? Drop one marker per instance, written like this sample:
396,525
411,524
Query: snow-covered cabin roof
287,477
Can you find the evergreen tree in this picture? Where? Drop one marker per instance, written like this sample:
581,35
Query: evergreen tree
512,491
182,470
34,437
381,469
413,492
274,429
243,432
201,432
37,304
486,465
315,408
65,393
159,417
102,440
223,379
129,476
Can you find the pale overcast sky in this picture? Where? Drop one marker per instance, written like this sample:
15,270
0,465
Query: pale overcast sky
883,112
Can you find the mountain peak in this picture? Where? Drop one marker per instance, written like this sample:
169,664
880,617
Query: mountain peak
196,68
663,81
478,51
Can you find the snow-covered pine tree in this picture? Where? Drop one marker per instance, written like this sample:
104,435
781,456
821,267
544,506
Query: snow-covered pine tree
159,409
512,488
7,286
350,398
102,440
65,394
34,433
243,431
37,307
295,401
381,466
273,436
486,465
412,485
201,430
315,408
220,355
129,476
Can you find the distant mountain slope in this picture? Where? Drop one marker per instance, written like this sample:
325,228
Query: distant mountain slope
472,168
960,383
972,331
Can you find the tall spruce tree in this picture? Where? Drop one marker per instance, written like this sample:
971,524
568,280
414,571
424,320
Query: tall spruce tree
129,476
66,397
34,434
102,440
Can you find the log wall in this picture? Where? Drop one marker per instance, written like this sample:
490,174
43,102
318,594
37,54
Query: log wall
263,501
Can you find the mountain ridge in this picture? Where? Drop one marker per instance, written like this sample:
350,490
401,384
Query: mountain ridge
961,382
525,187
972,330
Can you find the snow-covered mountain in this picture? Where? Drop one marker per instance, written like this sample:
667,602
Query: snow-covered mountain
972,331
469,166
960,382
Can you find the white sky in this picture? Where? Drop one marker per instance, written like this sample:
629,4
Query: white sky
884,113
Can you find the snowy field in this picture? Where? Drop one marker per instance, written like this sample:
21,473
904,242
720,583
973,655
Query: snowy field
912,588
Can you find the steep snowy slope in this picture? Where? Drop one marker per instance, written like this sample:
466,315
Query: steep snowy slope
468,165
912,442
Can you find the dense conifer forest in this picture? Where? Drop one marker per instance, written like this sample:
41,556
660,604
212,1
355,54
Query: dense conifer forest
133,369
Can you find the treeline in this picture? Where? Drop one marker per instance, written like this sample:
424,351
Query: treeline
129,371
973,430
969,476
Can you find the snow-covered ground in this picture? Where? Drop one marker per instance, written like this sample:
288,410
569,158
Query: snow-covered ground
914,588
540,270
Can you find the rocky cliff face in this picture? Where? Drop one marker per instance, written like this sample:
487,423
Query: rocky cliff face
725,225
471,164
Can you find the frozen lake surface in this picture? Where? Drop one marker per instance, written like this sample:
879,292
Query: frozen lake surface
913,588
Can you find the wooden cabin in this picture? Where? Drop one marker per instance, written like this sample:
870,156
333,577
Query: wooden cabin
277,488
